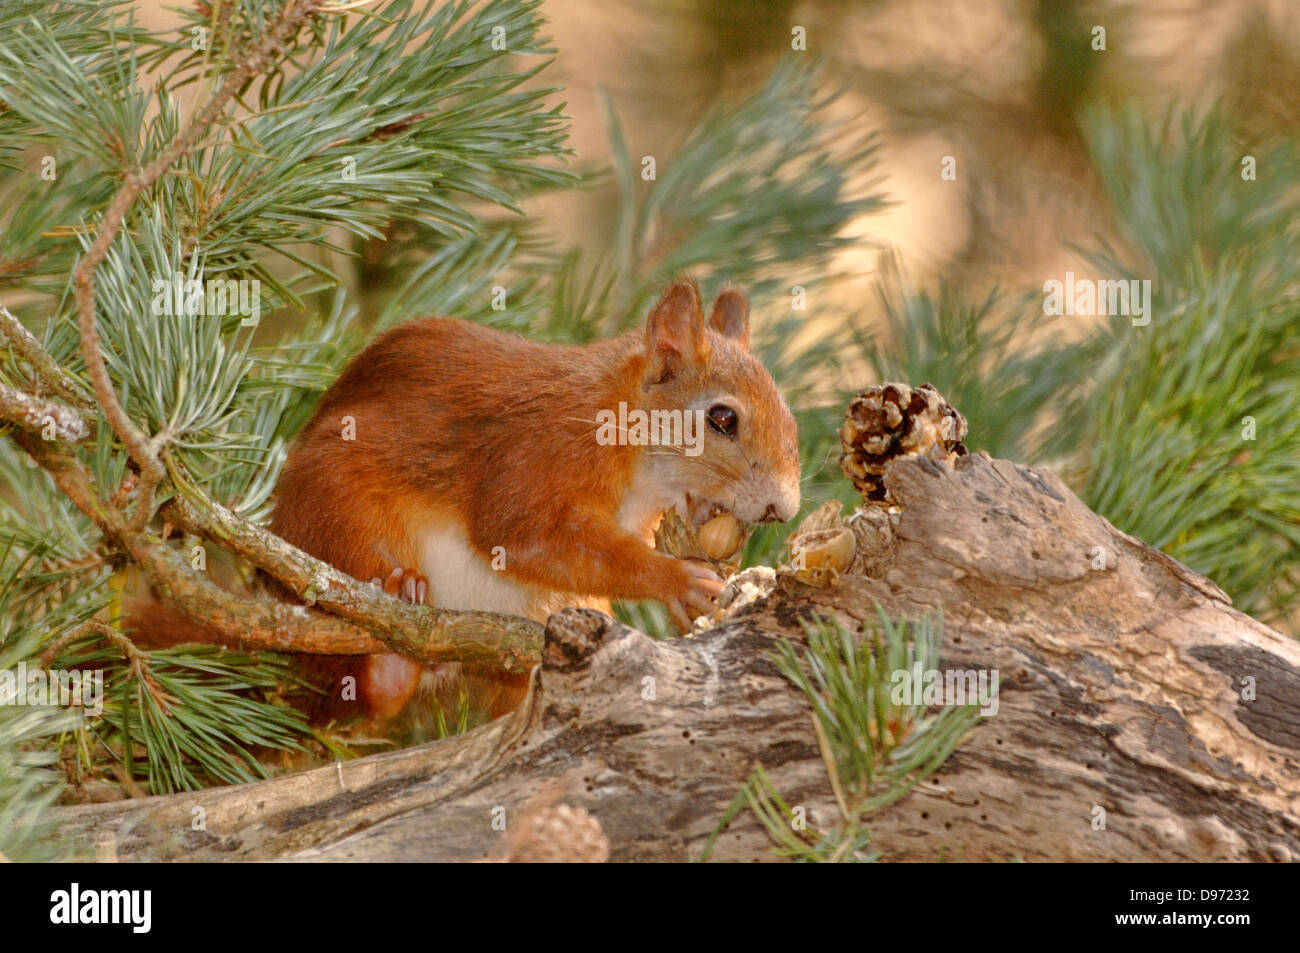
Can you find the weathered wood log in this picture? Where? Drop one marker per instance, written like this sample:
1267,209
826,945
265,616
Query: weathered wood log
1128,683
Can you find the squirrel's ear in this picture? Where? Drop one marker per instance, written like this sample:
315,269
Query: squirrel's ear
674,333
730,316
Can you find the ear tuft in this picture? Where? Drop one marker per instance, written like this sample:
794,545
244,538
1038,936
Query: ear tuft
730,316
674,332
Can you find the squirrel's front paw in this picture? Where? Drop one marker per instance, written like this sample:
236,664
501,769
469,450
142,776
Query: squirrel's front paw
700,591
405,584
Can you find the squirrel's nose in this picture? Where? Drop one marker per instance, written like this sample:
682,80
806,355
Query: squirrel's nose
783,501
784,507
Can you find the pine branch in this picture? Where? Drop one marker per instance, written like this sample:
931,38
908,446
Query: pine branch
421,632
37,415
143,450
977,354
1194,419
28,785
41,592
161,700
212,402
47,371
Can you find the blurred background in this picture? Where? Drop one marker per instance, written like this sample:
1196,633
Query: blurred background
1002,86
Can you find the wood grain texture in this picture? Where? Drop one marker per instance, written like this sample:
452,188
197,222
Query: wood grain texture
1121,688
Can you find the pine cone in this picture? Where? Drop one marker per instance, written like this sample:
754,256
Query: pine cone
555,834
888,421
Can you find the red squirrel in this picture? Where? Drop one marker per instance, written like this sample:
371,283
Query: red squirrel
463,467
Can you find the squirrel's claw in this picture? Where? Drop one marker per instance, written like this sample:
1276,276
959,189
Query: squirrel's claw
700,597
405,584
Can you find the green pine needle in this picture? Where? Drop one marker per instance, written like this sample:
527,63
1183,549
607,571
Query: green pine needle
875,749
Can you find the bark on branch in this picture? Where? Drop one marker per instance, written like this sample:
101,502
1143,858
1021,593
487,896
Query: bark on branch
368,621
1128,683
419,632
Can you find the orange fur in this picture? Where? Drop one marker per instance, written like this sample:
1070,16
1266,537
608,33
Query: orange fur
465,430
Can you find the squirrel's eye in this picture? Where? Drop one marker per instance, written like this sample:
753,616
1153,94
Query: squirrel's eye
723,419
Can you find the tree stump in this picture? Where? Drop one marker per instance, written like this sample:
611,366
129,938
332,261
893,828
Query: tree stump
1128,684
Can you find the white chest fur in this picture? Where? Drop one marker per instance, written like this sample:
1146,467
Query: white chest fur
461,579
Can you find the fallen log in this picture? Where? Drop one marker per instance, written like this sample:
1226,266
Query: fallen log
1140,717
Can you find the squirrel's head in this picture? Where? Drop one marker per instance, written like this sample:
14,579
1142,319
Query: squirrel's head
742,455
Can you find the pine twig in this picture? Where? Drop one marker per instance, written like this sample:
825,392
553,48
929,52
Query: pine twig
424,632
136,659
35,414
142,450
47,369
371,622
